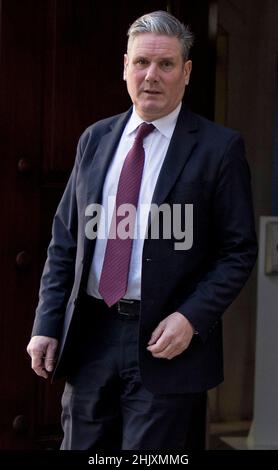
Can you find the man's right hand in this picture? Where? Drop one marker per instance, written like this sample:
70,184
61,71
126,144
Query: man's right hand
42,350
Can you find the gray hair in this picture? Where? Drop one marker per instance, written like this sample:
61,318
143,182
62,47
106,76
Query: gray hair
161,22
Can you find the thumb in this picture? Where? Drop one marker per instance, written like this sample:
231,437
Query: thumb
156,334
49,360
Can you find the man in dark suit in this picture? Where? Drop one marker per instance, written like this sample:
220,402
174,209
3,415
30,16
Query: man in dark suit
134,322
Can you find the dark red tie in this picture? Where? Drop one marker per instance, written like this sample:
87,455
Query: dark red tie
115,269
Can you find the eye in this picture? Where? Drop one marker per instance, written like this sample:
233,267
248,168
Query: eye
141,62
166,64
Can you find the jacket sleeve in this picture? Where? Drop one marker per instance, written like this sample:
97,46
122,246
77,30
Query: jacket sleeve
235,243
58,274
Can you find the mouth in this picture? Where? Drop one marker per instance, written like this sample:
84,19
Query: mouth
152,92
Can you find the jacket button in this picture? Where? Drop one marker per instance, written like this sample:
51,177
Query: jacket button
148,259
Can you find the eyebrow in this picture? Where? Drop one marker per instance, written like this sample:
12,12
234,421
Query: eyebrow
170,59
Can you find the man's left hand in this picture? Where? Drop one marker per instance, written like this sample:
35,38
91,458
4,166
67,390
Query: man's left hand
171,337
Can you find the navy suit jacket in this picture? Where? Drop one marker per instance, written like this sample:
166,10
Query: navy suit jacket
204,166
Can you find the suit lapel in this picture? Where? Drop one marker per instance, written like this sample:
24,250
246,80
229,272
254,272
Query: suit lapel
103,156
96,176
182,143
181,146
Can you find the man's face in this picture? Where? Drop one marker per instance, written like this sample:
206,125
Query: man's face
156,74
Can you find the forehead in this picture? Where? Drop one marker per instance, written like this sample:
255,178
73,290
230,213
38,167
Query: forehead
155,45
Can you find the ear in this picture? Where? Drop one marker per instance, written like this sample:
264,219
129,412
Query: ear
125,65
187,71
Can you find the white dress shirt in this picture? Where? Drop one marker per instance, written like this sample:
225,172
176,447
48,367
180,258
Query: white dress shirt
155,145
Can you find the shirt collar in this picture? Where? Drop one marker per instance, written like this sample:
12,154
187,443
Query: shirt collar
165,125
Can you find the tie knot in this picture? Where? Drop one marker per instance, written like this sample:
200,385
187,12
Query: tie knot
143,130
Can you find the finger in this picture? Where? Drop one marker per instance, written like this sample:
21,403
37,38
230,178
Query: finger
41,372
38,366
160,346
49,363
156,334
171,351
50,359
166,353
37,359
163,341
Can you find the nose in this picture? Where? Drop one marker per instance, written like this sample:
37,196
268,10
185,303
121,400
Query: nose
152,74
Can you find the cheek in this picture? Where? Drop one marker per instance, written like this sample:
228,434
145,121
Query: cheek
178,86
134,81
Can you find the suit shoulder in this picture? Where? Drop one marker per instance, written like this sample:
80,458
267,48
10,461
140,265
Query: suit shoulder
215,130
98,129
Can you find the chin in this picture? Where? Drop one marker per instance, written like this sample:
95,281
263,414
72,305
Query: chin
151,112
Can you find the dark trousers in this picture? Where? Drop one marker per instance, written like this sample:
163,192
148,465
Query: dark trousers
105,405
